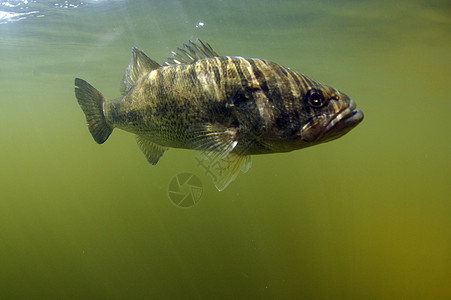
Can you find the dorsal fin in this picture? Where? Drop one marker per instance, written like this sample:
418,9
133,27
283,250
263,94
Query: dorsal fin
139,64
191,52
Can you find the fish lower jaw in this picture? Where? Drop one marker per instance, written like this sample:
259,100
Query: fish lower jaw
342,122
331,126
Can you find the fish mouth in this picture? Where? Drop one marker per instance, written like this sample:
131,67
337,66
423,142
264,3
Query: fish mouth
333,125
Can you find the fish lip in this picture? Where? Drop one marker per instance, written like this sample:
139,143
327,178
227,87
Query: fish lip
347,117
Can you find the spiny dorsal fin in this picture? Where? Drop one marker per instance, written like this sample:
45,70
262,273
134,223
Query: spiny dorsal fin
191,52
139,64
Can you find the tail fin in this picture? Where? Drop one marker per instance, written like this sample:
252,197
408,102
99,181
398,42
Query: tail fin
91,102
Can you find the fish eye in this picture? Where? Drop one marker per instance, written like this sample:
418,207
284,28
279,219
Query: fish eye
315,98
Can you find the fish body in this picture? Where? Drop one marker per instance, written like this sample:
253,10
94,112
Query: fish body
228,106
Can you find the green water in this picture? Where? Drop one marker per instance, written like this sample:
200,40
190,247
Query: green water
367,216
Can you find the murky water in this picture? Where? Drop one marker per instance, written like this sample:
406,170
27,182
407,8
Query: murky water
366,216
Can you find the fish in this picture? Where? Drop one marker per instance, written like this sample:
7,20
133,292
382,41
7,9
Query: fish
229,107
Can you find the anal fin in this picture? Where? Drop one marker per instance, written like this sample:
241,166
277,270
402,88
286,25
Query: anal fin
153,152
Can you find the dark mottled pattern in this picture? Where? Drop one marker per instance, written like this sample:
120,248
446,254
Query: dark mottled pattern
264,101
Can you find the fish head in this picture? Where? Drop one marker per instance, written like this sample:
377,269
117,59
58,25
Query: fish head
328,115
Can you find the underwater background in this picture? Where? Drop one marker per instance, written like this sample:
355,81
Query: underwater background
365,216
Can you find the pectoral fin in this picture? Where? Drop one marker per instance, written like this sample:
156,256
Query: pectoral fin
153,152
214,139
216,143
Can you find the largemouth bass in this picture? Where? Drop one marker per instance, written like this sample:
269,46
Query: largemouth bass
229,107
